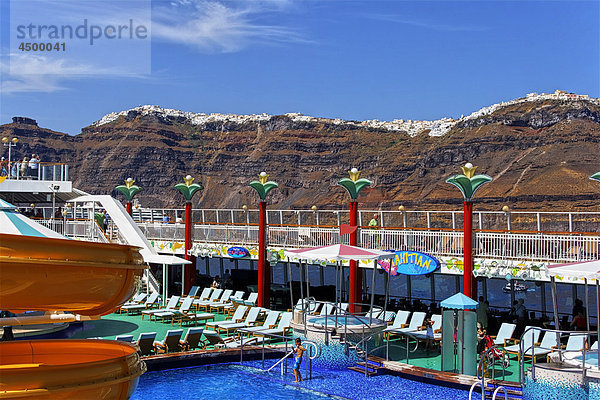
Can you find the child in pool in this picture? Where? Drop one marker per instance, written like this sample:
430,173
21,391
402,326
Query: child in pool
298,351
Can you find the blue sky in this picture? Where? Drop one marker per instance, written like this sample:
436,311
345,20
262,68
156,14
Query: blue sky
348,59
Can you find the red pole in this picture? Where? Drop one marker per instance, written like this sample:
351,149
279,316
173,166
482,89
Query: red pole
264,268
355,277
129,209
190,269
469,284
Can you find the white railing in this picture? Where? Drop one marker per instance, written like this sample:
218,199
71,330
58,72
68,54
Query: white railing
546,246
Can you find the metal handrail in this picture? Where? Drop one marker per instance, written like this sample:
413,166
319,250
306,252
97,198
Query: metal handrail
473,386
496,393
489,355
560,334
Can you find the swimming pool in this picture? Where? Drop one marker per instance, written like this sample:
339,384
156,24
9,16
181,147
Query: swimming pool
342,320
248,382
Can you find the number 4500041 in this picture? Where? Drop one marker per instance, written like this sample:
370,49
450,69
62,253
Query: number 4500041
42,46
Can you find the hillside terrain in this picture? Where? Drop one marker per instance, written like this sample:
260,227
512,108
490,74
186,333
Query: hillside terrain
539,149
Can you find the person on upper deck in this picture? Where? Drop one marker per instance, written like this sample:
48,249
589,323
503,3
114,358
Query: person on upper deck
33,166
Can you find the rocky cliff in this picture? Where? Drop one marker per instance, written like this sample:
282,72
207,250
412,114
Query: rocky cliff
539,149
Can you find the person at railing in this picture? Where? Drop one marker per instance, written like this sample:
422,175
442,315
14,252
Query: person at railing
298,352
24,165
15,169
33,166
3,167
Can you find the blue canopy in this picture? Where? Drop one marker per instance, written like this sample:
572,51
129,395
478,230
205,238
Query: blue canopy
459,302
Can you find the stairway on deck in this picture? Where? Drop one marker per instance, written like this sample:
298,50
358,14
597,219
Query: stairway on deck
373,366
514,390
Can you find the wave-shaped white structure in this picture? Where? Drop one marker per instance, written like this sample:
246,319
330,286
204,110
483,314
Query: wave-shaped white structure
411,127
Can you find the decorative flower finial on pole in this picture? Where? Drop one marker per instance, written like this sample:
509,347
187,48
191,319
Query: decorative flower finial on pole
468,183
129,190
263,186
188,188
354,185
596,176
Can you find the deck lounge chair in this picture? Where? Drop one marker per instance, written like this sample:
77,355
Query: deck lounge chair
145,343
238,316
170,315
504,334
192,293
281,329
170,343
171,305
421,332
545,347
399,320
191,340
205,295
305,305
247,323
529,338
149,303
234,300
237,295
214,339
125,338
215,295
252,298
386,316
194,317
137,299
219,304
270,322
416,321
327,309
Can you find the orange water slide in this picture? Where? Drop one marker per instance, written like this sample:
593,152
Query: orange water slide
48,274
86,278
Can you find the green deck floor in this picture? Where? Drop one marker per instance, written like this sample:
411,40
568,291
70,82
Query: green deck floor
112,325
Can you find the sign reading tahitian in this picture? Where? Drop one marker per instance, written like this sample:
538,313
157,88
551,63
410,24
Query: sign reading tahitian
410,263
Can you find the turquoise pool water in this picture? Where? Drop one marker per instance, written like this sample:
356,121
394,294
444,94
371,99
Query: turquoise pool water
340,320
247,382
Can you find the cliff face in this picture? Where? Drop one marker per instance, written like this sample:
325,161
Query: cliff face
539,152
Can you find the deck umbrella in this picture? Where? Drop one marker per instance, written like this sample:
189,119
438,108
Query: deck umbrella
586,270
459,302
339,253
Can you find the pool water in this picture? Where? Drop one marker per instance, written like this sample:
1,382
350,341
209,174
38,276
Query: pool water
248,382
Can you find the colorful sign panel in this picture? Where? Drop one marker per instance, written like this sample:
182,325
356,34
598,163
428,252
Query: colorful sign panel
237,252
410,263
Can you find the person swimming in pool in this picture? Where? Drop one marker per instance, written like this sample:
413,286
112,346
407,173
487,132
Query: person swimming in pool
298,351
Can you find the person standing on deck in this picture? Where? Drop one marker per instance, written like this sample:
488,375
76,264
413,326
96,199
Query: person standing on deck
298,351
24,165
33,166
374,224
482,313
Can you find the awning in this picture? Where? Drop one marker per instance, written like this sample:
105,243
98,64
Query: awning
580,270
162,258
459,302
338,252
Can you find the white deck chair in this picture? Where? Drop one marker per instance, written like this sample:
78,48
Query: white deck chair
247,323
504,333
183,309
214,296
545,347
238,316
269,323
142,306
436,326
252,297
282,327
214,339
222,301
171,305
416,321
327,309
529,338
399,321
